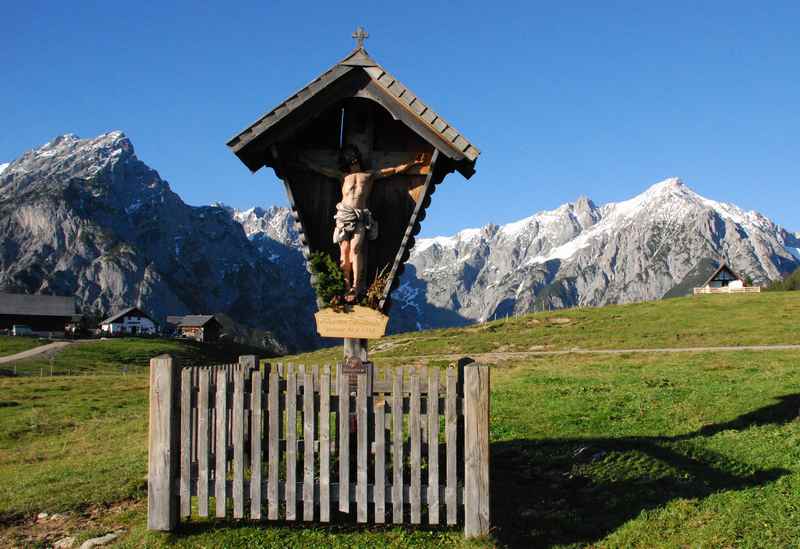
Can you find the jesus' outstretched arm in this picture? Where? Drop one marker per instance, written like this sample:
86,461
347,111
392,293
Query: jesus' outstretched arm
304,162
400,168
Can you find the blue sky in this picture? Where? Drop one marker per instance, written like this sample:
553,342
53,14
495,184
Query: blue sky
564,99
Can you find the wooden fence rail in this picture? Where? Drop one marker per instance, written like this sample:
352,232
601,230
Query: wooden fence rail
289,442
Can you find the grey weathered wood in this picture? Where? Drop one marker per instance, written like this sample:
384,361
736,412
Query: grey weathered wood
274,418
352,491
336,383
407,237
195,376
186,442
397,446
162,500
380,462
238,443
433,446
203,442
256,427
415,450
451,440
308,445
291,442
324,444
476,450
422,372
362,442
249,363
221,451
344,443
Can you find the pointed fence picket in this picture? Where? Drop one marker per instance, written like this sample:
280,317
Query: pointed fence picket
289,442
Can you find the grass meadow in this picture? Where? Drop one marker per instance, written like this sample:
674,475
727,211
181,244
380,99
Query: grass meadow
697,449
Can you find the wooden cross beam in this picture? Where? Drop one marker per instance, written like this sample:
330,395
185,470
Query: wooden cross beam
360,35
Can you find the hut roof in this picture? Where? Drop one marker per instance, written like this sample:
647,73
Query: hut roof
723,267
356,74
36,305
196,321
125,312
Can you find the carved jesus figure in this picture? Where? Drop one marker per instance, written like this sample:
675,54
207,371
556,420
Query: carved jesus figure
354,222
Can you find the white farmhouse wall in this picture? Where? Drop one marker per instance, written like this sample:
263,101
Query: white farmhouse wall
129,325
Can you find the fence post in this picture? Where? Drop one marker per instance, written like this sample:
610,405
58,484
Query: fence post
163,449
476,450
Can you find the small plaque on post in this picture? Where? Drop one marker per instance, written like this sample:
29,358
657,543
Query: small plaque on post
354,365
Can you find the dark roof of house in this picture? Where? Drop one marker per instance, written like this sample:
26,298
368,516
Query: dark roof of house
125,312
174,319
36,305
378,84
721,268
196,321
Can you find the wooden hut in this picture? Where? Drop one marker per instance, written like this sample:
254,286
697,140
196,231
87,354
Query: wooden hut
42,313
357,102
203,328
725,281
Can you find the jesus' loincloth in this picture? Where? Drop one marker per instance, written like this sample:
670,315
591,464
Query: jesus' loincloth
349,221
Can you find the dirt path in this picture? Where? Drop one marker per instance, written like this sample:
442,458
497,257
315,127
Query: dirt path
509,355
36,351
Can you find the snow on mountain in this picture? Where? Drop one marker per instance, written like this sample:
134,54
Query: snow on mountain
4,166
581,254
86,217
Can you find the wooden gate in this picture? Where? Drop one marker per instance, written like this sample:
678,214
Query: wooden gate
279,442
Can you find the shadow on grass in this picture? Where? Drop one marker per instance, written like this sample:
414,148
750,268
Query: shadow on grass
575,491
565,491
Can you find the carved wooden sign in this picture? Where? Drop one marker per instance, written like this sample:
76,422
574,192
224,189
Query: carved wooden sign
360,156
352,321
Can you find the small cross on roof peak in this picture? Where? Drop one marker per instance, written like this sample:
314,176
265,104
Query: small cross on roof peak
360,35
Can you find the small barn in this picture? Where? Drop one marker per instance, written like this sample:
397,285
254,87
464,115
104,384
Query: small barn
43,313
725,281
203,328
131,321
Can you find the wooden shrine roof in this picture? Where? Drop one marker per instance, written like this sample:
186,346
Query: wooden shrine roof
406,106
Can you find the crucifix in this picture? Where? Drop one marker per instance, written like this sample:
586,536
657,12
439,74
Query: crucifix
360,35
387,150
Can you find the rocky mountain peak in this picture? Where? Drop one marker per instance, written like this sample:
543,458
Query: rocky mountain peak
86,217
581,254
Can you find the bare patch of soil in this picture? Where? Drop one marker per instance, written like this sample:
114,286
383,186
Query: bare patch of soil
43,531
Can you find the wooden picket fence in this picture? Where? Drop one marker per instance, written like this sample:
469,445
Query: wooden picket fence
256,442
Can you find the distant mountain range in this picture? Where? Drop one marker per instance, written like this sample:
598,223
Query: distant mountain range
86,217
660,243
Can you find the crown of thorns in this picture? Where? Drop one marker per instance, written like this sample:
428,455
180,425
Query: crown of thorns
348,156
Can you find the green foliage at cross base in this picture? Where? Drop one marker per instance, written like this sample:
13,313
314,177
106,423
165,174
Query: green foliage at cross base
329,280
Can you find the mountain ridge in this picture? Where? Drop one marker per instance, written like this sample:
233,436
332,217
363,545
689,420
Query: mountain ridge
86,217
578,254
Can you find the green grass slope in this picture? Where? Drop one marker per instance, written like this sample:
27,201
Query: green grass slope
696,449
11,345
709,320
128,355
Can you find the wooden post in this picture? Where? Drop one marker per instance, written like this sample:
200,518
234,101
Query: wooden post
163,451
358,348
476,450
